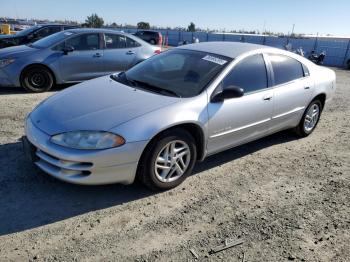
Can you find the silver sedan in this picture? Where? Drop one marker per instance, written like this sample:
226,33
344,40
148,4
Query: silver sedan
157,119
71,56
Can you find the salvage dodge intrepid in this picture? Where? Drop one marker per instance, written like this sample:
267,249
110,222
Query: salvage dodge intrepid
155,120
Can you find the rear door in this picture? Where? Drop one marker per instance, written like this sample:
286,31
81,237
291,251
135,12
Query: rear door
85,62
120,52
238,120
292,91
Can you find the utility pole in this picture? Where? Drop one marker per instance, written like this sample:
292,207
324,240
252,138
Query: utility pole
292,30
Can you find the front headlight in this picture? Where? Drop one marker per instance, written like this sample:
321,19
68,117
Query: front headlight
88,140
6,62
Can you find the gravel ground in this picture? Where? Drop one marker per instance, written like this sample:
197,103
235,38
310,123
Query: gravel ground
287,198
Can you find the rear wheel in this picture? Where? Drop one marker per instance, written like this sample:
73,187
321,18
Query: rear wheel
37,79
168,160
152,41
310,119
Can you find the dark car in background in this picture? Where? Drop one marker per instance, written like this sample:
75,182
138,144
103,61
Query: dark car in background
152,37
32,34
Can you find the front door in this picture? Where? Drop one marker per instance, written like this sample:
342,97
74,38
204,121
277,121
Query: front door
85,62
239,120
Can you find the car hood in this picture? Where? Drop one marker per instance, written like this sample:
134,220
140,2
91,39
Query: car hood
99,104
15,51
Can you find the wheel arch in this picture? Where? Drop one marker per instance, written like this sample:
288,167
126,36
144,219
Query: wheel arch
41,65
193,129
322,98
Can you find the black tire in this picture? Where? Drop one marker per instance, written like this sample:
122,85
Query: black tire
146,169
37,79
301,130
152,42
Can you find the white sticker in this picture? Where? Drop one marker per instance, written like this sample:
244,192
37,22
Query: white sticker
214,59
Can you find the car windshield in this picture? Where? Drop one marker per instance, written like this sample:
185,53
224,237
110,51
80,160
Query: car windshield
27,30
184,73
51,39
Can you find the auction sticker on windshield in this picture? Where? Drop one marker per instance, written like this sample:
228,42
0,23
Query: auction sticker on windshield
214,59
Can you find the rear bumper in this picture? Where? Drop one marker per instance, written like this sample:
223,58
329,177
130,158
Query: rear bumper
85,167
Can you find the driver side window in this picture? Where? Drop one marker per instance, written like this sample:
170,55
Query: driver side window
249,74
84,42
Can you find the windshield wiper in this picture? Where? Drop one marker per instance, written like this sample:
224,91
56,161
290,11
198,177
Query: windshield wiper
121,77
154,88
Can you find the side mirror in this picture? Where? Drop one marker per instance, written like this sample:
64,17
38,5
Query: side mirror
67,49
227,93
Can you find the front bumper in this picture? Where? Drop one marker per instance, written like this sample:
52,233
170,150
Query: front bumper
5,79
85,167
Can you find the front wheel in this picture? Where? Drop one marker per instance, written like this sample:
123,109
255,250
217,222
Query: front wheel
168,160
310,119
37,79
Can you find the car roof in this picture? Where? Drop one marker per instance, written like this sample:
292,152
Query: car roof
94,30
53,24
228,49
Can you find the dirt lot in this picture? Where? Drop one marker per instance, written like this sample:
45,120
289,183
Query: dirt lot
287,198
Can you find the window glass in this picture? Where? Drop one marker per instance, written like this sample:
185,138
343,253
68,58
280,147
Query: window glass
185,72
306,70
115,41
84,42
131,43
249,74
47,31
285,69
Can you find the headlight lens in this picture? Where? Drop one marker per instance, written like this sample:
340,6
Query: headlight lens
88,140
5,62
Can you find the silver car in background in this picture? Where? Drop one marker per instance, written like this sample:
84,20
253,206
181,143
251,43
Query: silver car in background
158,118
71,56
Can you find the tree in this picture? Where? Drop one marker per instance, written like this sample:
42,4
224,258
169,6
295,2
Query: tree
94,21
191,27
143,25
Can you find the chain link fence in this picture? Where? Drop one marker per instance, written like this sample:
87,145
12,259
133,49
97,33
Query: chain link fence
336,49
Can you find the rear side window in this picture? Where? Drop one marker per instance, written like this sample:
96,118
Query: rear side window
306,70
249,74
131,43
285,69
114,41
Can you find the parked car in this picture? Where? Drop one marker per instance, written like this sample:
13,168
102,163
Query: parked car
71,56
158,118
152,37
32,34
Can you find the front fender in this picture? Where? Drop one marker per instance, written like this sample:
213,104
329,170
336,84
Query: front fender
186,111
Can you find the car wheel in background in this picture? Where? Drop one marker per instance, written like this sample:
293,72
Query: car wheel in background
168,160
152,42
310,119
37,79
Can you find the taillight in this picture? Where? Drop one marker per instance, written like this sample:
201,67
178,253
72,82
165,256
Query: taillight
157,51
160,39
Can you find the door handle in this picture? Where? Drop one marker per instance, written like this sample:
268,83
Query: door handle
97,55
267,97
306,87
130,52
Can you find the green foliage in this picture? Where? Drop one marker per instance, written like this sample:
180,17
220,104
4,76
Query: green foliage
94,21
143,25
191,27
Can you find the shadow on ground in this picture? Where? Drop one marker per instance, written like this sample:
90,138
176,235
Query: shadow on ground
30,198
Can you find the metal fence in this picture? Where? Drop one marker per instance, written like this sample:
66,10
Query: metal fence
337,49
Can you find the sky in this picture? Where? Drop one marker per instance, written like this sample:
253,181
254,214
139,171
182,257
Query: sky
309,16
